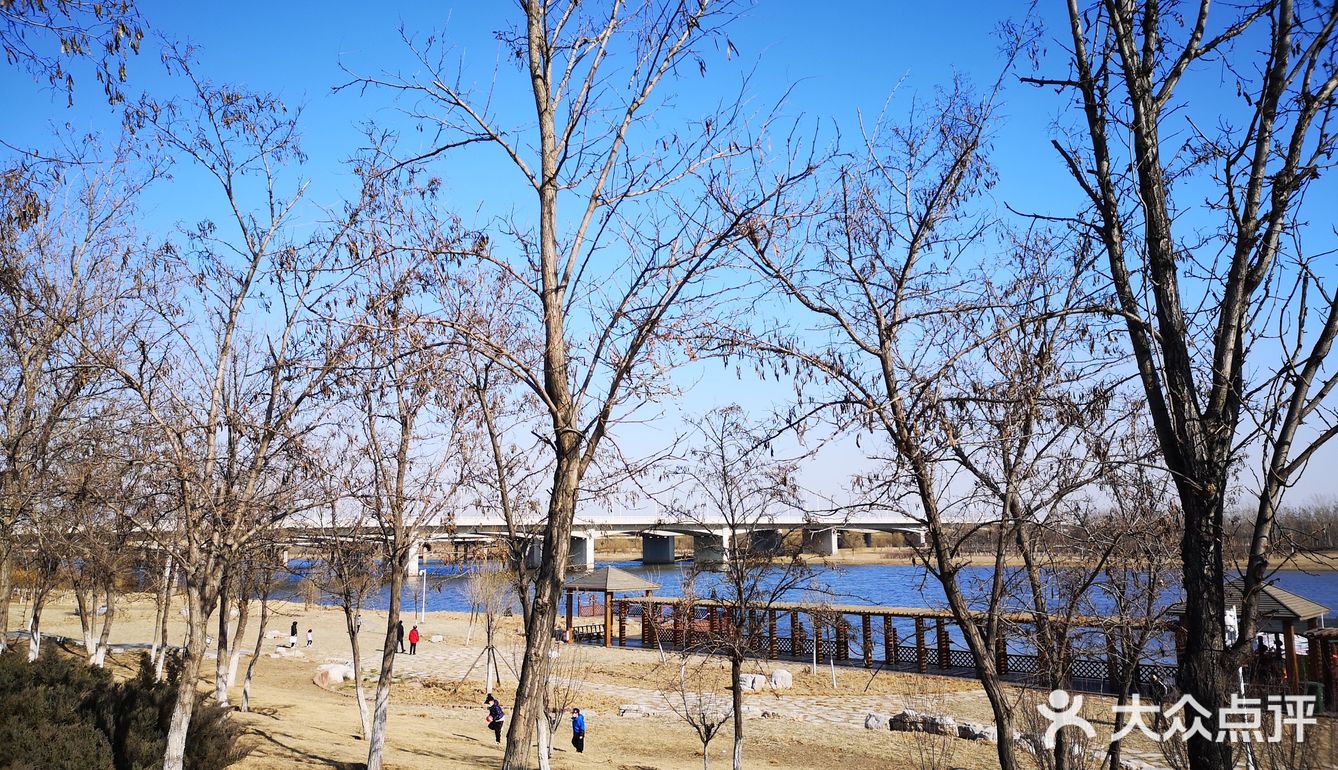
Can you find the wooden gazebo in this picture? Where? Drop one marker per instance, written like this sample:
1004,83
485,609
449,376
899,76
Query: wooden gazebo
607,581
1280,612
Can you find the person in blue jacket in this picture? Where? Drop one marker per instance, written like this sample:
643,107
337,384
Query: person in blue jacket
495,717
578,730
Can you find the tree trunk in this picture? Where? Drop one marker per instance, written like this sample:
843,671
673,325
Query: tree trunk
161,605
104,639
543,617
6,586
35,630
197,622
223,648
545,742
381,709
351,614
1202,667
255,654
735,673
235,656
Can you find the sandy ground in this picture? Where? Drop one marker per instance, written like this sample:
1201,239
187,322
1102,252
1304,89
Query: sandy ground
436,721
436,714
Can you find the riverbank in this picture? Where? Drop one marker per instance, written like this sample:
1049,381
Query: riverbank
436,718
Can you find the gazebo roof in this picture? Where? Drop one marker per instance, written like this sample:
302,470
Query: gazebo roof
1274,602
609,580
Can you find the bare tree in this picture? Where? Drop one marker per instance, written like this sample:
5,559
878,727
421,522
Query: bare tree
232,396
889,294
106,33
732,483
490,594
107,491
415,431
66,236
262,569
350,573
693,698
614,286
1198,205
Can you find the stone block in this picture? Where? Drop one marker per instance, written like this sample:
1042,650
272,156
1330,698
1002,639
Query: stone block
876,721
436,638
752,682
781,679
971,731
908,721
944,725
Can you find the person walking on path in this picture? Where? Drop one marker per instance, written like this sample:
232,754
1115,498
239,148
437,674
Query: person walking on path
309,638
399,635
495,717
292,635
578,730
413,640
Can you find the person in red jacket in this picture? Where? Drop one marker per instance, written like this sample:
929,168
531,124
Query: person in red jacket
413,641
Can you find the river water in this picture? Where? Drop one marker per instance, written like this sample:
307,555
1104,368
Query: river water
871,584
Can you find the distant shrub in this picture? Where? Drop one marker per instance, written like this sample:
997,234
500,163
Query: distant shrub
59,713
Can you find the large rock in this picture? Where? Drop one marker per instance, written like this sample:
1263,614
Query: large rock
436,638
752,682
944,725
333,673
908,721
971,731
781,679
876,721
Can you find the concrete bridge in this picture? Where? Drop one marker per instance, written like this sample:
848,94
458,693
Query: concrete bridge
711,541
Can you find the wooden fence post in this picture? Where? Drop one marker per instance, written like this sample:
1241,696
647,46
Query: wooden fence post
773,644
622,623
921,654
944,659
867,627
889,641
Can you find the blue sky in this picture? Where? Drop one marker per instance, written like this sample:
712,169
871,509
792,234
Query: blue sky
841,60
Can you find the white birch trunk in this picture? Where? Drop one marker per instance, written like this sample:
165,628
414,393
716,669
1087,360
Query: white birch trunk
175,755
545,743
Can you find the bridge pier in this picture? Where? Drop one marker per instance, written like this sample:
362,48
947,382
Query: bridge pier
657,549
411,566
534,553
768,541
582,551
916,537
823,542
711,548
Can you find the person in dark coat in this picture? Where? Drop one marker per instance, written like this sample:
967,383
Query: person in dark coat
496,717
578,730
399,635
292,635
